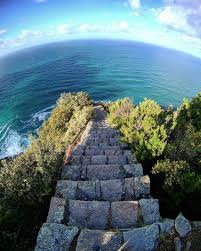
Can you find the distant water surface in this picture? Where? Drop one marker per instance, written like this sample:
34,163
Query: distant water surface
31,80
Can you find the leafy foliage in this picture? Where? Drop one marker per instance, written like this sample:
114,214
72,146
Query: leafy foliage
187,147
119,112
144,126
168,143
172,171
28,180
181,167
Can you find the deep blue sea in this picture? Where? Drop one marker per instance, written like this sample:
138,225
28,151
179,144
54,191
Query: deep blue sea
31,80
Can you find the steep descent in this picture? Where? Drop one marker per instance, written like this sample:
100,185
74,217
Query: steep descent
102,201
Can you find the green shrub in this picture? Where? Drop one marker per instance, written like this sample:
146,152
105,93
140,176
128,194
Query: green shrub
119,112
180,181
144,126
172,171
187,147
189,113
27,181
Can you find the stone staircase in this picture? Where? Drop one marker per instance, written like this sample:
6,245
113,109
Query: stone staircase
102,201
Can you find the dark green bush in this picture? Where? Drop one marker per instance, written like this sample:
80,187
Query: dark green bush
181,167
189,113
169,142
187,147
172,171
180,181
27,181
119,112
144,127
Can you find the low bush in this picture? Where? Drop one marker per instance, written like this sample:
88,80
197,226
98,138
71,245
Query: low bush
145,126
168,144
119,112
27,181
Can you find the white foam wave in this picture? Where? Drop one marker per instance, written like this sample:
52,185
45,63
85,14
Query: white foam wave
13,145
42,115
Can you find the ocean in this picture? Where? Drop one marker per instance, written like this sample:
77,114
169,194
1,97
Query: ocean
31,80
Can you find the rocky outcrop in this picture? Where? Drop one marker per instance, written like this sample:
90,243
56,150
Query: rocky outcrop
102,201
182,225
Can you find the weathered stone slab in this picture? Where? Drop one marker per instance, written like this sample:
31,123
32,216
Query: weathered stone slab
105,172
124,214
83,172
99,160
134,170
91,152
77,160
78,150
106,147
89,214
182,226
56,212
86,190
117,160
142,186
142,239
66,189
113,141
111,190
55,237
93,144
129,193
150,210
86,160
98,190
130,157
71,172
91,240
102,145
113,152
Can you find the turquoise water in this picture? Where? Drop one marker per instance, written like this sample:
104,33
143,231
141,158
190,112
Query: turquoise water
31,80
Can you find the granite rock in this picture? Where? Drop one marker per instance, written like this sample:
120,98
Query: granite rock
55,237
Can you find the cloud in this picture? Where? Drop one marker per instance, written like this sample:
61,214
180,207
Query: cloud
123,25
63,28
182,15
28,34
175,17
2,32
134,4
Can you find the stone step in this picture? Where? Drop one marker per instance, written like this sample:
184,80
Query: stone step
55,237
121,159
93,240
103,215
104,134
97,129
89,214
105,140
97,150
101,172
137,239
109,143
87,151
104,190
58,237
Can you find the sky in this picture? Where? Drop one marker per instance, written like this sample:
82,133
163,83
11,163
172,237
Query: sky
169,23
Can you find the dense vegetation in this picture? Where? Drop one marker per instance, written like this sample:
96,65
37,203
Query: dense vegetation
168,143
28,181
